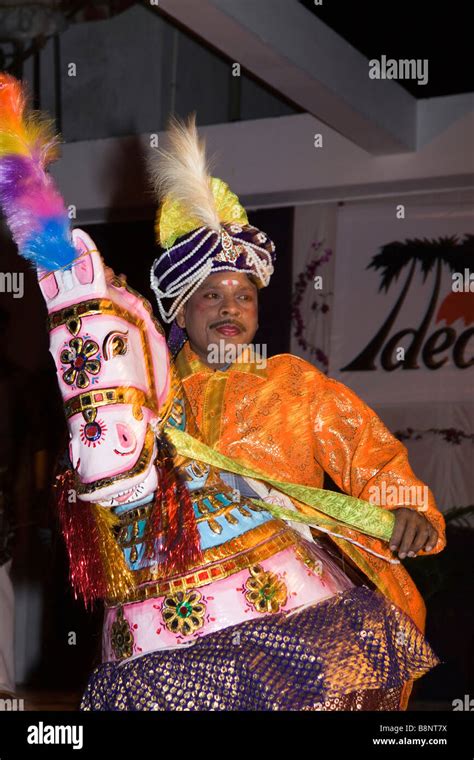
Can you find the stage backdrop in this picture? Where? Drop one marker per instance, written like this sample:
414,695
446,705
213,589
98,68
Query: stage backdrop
314,241
402,327
403,322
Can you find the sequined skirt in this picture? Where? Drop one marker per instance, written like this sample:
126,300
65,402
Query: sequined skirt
355,650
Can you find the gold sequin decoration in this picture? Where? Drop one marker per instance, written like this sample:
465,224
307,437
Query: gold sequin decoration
265,591
184,612
121,636
220,562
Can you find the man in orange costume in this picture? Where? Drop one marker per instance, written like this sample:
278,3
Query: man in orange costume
283,418
290,421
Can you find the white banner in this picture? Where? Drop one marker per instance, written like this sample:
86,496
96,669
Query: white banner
403,320
314,235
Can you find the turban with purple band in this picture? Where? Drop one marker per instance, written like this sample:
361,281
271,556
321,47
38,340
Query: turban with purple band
201,228
183,267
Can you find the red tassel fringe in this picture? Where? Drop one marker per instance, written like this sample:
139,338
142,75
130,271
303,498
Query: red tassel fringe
81,536
172,520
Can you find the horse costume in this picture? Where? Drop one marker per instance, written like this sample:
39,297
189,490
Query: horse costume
213,600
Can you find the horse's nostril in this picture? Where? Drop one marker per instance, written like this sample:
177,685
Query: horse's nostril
125,436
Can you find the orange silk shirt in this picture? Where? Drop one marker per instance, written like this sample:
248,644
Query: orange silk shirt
290,421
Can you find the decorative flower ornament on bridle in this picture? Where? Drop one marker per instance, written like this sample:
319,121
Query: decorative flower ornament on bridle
200,226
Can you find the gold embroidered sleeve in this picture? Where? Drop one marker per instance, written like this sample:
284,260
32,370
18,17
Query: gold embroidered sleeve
352,444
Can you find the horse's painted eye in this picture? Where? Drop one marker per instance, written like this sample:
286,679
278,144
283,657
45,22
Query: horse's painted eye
115,344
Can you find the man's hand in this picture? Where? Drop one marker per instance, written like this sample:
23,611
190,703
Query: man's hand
110,276
412,533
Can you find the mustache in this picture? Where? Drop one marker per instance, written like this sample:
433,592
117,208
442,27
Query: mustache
233,322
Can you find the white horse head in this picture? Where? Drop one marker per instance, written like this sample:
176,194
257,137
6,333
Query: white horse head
113,370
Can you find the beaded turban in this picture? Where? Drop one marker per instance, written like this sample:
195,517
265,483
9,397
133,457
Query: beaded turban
200,226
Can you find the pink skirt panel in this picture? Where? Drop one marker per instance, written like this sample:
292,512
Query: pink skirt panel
281,583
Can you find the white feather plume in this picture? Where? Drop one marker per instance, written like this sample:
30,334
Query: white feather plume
181,172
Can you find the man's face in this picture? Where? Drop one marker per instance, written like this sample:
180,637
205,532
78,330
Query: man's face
224,309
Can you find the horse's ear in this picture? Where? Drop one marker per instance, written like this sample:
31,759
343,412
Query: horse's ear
84,270
84,265
49,287
83,243
85,276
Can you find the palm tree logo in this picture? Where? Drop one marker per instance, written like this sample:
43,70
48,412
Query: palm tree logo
430,256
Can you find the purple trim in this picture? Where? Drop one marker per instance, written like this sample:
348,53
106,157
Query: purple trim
183,246
176,339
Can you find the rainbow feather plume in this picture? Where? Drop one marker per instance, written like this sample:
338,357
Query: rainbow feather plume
33,208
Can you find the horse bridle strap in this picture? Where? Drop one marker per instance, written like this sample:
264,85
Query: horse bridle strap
72,316
88,402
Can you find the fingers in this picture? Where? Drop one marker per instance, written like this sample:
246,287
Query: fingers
398,530
109,275
408,537
412,533
426,537
432,539
422,536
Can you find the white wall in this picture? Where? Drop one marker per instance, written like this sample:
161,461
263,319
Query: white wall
268,162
